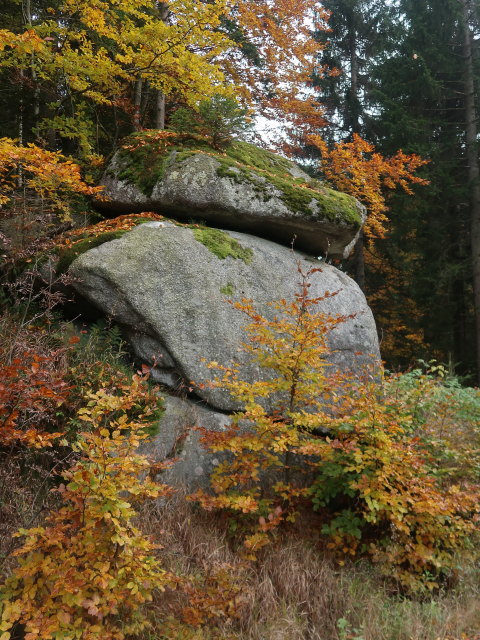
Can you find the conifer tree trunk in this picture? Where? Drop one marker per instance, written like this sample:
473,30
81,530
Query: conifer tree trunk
33,70
353,118
471,133
160,111
354,85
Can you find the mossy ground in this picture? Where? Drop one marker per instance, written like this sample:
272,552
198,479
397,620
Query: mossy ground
222,245
146,155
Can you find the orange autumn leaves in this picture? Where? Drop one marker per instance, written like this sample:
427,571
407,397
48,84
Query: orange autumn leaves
31,391
376,487
88,570
48,173
282,33
355,168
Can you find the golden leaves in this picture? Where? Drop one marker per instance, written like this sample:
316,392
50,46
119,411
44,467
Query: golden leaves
377,485
48,173
289,344
90,564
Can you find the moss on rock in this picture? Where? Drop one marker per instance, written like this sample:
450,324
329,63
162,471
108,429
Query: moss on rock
145,156
228,289
84,240
222,245
67,255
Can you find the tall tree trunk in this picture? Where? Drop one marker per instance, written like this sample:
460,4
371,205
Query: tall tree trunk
21,126
354,120
360,261
137,114
471,133
163,12
160,111
27,15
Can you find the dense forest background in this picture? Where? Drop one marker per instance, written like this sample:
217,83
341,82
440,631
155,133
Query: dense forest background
397,74
403,86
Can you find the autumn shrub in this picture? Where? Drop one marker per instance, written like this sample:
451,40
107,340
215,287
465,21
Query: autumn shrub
33,387
294,590
356,168
376,487
447,418
38,190
377,481
87,572
98,359
263,476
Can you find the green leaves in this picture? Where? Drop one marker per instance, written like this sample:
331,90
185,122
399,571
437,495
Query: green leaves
219,119
411,523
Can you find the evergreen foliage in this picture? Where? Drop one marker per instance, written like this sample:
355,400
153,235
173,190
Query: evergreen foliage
218,119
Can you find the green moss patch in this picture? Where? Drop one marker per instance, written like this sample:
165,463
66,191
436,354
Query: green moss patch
67,255
146,155
228,289
222,245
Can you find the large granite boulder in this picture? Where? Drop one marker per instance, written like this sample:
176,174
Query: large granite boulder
168,284
244,188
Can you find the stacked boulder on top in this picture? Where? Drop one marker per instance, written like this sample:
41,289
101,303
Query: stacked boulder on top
243,188
167,283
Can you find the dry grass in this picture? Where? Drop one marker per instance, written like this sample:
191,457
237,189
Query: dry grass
25,497
293,592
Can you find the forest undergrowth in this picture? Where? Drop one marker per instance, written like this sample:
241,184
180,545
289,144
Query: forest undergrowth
396,483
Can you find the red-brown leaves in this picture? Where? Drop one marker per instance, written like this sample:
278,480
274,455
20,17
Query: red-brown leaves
31,391
282,33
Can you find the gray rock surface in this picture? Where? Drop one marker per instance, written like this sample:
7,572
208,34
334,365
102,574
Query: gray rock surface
169,290
320,221
179,440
